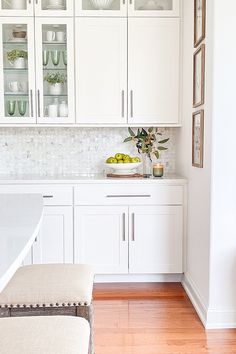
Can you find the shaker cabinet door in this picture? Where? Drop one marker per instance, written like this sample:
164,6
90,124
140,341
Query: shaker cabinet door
101,70
17,70
54,243
155,239
153,67
101,238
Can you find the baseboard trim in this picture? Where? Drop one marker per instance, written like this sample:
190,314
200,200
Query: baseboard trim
136,278
221,319
195,298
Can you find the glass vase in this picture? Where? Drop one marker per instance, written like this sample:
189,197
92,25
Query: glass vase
147,165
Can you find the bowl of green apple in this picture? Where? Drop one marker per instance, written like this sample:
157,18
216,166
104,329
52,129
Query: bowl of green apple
123,164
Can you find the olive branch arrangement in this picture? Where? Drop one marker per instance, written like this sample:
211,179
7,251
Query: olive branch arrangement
147,141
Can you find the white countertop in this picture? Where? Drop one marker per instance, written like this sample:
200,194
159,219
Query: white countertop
20,219
86,178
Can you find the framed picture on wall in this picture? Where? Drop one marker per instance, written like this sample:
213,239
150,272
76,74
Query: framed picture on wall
199,21
198,138
199,76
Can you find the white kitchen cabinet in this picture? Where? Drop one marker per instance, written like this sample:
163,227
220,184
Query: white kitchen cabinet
54,243
101,70
154,8
95,8
101,238
49,9
154,70
17,71
38,7
155,239
16,8
55,57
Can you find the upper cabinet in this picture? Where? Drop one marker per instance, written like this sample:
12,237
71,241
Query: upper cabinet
119,8
154,8
55,70
101,70
17,69
101,8
154,70
16,7
53,8
37,7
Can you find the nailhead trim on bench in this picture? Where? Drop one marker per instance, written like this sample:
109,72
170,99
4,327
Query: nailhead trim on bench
64,304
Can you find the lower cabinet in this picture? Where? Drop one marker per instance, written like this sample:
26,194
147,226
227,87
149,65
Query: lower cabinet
155,242
135,239
101,238
54,244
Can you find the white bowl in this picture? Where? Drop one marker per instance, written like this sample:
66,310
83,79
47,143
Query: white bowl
123,168
101,4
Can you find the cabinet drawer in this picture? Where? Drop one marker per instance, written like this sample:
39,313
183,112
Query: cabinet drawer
134,194
52,195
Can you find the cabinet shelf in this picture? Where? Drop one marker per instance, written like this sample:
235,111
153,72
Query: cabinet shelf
54,43
62,95
57,69
16,94
15,69
15,43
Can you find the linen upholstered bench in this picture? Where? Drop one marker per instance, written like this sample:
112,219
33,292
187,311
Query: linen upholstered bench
50,289
44,335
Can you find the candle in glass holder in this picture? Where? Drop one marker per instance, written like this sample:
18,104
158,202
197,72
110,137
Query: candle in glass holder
158,170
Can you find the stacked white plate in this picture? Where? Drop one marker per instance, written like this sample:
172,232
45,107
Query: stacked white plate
101,4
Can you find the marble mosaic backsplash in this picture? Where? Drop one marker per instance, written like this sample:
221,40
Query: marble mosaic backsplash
52,151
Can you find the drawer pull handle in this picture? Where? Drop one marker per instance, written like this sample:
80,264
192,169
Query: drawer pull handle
129,196
133,230
47,196
123,216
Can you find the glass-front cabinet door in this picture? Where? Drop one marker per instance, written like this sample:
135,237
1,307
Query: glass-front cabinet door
16,7
102,8
62,8
55,70
17,71
154,8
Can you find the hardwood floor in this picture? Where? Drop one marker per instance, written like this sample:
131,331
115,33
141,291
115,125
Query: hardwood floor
153,319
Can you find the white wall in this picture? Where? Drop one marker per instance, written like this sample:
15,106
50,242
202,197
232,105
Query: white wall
198,225
222,310
210,277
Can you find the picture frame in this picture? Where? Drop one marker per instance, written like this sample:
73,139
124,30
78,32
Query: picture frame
199,76
199,21
197,138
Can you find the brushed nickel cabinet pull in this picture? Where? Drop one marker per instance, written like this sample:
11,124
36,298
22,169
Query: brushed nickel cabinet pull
123,103
31,103
123,216
36,1
123,2
39,113
133,229
131,104
30,2
129,196
130,1
47,196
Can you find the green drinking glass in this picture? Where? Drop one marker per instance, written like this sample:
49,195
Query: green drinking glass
55,55
64,55
45,57
22,105
11,107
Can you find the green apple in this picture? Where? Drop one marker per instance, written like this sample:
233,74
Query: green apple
120,161
127,161
119,156
135,159
126,157
114,160
109,160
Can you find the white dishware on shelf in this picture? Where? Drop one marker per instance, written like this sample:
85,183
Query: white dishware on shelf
19,63
124,168
50,36
55,2
63,109
18,40
60,36
16,4
55,7
151,5
14,86
52,110
101,4
55,89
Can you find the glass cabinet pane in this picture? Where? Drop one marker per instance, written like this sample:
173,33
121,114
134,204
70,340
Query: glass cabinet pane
101,5
15,71
14,4
101,8
54,5
154,5
54,67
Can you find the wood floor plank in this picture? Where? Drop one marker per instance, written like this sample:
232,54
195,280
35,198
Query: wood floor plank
153,319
